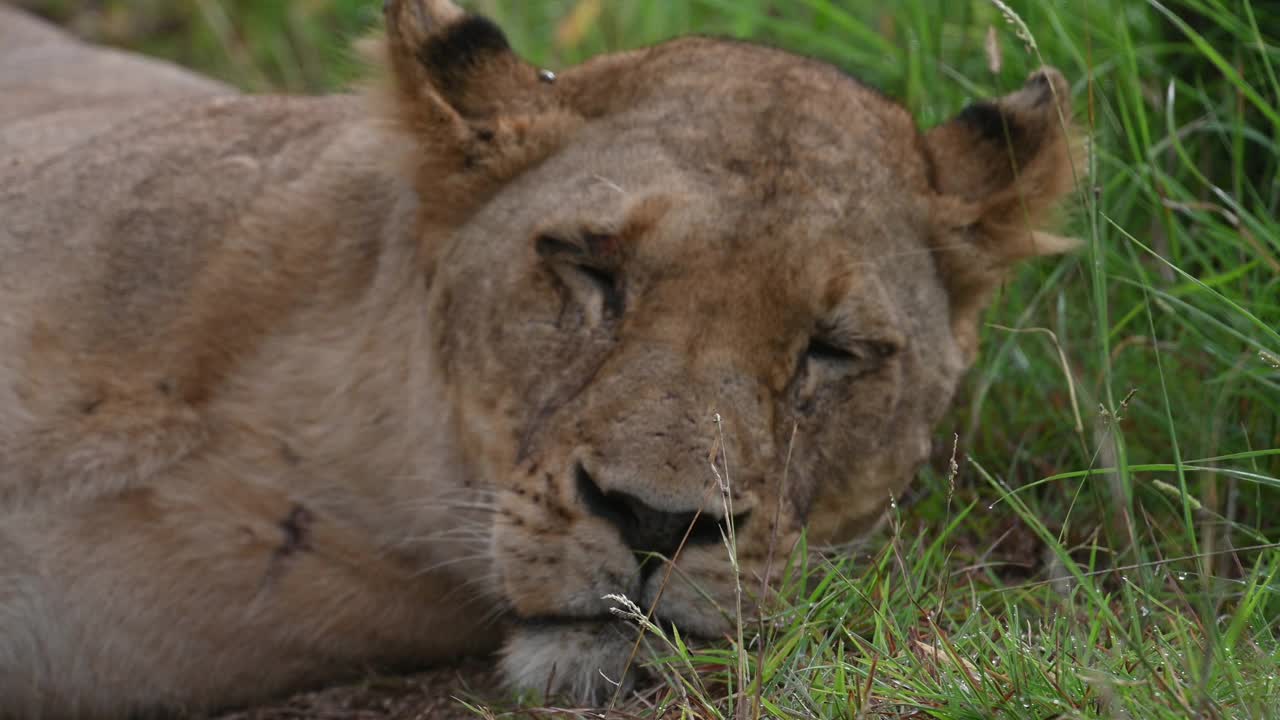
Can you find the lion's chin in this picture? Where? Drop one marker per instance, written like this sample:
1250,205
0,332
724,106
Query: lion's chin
585,662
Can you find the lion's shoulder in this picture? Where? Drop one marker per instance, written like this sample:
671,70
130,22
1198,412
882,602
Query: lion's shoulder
137,256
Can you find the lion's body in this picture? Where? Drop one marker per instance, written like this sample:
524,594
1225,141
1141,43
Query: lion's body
290,387
130,284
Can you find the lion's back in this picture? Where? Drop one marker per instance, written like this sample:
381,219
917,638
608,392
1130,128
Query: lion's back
59,91
123,185
121,177
75,122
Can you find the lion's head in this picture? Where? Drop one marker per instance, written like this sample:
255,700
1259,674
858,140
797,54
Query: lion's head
706,254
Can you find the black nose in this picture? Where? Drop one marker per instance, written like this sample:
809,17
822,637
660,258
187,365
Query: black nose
646,529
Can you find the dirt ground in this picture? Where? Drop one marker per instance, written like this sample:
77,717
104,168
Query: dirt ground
431,695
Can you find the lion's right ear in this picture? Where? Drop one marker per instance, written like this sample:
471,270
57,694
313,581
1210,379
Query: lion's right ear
475,108
999,169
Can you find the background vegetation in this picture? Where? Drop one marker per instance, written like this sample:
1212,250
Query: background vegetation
1106,544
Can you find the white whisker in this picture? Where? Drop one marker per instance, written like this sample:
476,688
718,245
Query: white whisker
451,561
457,533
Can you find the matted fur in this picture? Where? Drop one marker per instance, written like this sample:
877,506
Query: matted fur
294,387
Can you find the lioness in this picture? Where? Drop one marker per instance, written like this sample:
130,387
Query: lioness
290,387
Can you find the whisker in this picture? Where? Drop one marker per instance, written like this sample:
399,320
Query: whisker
489,581
458,533
468,491
433,504
450,561
496,613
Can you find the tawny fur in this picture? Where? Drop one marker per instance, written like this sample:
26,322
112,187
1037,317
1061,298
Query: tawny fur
294,387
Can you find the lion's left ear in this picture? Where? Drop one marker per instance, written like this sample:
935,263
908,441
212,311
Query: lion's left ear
478,111
999,169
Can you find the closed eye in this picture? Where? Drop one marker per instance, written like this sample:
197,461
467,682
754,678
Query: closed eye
582,272
606,281
550,247
864,354
824,351
828,362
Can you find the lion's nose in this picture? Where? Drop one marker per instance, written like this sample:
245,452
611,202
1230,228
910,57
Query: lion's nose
646,529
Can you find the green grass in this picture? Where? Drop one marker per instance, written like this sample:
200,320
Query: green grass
1122,565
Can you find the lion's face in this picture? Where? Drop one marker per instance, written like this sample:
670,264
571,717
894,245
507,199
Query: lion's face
718,294
604,310
673,318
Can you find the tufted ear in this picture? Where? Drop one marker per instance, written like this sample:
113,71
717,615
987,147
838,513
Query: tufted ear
477,111
999,169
